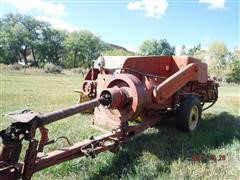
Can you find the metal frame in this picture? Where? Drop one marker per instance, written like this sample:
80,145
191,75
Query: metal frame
35,160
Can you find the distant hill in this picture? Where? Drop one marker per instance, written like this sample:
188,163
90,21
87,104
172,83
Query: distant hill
114,46
110,46
116,50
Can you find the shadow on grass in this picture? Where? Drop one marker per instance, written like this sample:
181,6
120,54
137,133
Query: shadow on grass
168,144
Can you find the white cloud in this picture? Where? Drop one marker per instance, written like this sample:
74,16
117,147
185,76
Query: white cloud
51,12
214,4
152,8
45,7
58,23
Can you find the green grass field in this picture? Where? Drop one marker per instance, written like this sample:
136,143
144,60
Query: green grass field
159,153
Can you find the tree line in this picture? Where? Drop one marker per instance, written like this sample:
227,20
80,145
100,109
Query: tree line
28,40
33,42
222,63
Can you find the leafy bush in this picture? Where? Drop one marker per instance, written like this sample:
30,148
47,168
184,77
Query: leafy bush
233,76
52,68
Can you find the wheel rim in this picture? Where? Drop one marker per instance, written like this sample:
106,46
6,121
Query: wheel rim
193,118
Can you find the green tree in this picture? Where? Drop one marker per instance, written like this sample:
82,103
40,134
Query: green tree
157,47
35,31
81,48
51,46
200,54
10,41
183,50
217,57
7,52
193,50
20,33
233,74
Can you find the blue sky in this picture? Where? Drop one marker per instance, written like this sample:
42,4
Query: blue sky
129,23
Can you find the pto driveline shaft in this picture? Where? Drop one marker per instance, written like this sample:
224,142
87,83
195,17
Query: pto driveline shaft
66,112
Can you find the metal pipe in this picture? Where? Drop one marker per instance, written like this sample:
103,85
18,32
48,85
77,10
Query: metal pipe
115,97
66,112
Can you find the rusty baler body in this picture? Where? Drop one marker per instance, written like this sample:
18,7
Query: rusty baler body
129,98
141,86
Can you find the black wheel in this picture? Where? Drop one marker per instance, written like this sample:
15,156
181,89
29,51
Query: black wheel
189,114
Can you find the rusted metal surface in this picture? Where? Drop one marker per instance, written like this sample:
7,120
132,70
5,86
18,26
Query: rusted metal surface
10,152
10,172
145,87
66,112
136,99
86,147
30,158
118,97
44,138
172,84
23,116
44,119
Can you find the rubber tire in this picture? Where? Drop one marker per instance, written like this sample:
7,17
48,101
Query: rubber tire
183,113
